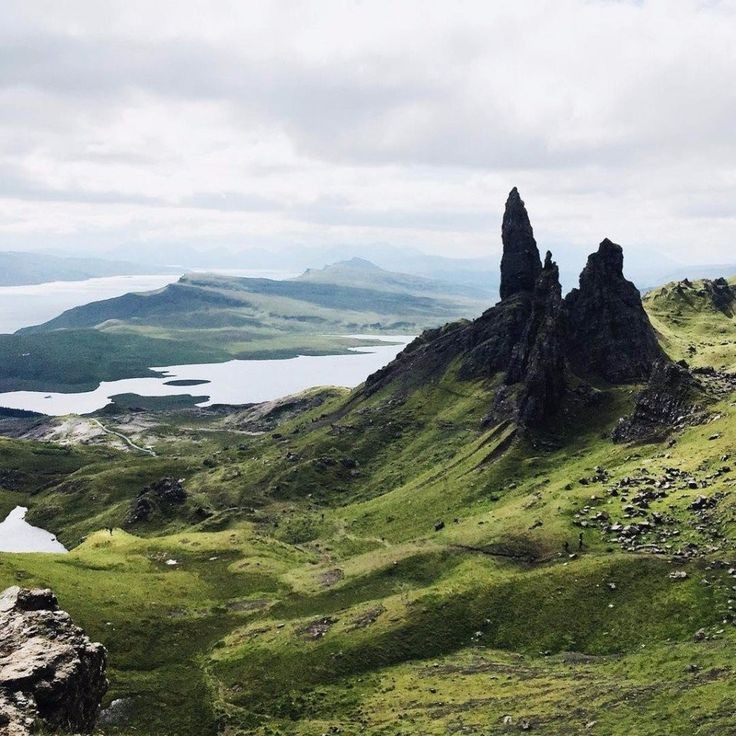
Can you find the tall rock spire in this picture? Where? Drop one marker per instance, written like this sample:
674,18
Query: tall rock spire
520,263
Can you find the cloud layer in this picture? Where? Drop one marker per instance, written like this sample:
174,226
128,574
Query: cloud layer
280,123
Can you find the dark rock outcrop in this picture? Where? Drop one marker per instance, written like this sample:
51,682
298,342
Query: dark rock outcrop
538,361
160,496
609,333
51,674
721,294
520,263
548,352
671,398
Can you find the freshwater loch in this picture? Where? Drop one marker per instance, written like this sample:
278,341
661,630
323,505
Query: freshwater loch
17,535
231,382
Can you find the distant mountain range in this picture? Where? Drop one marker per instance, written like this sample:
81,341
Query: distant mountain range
21,268
346,296
477,277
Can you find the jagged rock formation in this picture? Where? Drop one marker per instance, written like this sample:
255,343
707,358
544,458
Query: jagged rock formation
672,398
610,335
721,294
161,496
538,360
51,675
520,264
541,343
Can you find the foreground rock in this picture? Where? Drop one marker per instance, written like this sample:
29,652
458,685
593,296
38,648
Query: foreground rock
52,677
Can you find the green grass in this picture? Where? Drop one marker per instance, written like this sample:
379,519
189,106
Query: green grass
321,595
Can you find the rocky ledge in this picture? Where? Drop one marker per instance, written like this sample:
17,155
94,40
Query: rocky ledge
52,677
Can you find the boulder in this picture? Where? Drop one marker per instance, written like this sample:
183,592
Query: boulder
51,675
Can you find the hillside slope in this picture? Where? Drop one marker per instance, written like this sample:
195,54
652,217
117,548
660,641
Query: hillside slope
695,320
468,543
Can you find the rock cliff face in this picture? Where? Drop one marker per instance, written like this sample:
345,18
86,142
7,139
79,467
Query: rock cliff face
541,343
51,675
538,360
721,294
520,264
671,399
610,335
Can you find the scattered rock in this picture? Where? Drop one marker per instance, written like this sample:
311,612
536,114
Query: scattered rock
118,713
331,577
317,629
672,398
161,496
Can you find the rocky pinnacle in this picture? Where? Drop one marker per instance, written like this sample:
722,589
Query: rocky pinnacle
520,263
610,335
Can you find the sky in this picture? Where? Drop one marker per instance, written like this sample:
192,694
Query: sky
270,124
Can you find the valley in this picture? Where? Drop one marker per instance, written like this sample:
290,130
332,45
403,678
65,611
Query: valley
524,522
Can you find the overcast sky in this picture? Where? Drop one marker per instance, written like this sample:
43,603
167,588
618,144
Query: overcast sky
264,124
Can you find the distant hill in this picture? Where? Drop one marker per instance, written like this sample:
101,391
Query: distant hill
359,272
695,319
227,316
19,269
354,295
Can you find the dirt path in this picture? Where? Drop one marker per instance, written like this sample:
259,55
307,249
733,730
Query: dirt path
125,438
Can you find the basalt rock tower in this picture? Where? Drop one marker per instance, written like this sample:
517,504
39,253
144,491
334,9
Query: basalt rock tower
609,333
541,344
520,264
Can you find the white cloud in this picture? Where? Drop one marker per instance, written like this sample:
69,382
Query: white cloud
275,122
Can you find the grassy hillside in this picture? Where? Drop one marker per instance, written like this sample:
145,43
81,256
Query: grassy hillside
382,564
695,320
386,562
